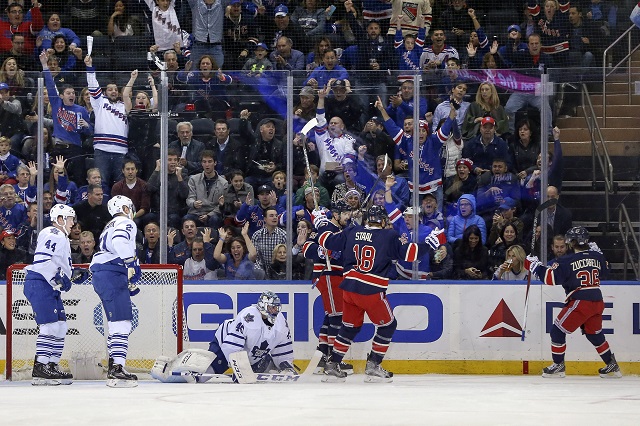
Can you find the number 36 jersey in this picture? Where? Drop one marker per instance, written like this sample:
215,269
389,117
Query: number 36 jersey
53,251
367,255
578,273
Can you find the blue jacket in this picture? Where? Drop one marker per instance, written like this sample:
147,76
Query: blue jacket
457,224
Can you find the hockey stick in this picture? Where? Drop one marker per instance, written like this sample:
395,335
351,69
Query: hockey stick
550,202
306,129
384,167
239,362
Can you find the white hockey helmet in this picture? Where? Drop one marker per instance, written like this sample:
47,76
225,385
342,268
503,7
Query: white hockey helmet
64,211
116,205
269,306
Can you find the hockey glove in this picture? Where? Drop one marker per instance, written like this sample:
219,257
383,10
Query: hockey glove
286,368
319,217
594,247
531,263
79,275
436,238
133,290
63,282
133,270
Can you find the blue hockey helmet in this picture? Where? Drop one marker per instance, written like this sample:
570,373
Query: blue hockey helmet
376,214
340,206
578,234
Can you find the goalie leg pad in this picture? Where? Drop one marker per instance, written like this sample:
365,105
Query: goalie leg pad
191,360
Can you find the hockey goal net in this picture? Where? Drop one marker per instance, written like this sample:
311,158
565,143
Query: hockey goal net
157,327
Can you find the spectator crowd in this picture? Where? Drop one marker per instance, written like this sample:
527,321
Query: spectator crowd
353,66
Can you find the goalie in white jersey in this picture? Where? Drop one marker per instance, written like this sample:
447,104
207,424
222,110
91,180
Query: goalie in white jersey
116,270
50,273
261,330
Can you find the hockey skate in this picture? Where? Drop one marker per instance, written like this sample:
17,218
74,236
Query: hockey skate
374,373
118,377
42,375
347,368
65,378
333,373
611,370
554,370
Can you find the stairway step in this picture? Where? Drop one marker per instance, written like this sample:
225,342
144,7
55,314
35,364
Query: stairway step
616,99
609,133
571,147
612,122
616,110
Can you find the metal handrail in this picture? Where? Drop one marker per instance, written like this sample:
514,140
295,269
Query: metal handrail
605,74
604,159
626,230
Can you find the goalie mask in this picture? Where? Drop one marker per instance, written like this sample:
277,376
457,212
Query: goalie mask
65,212
578,234
269,306
117,204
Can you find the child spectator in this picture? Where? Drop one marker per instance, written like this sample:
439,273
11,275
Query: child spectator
259,63
8,163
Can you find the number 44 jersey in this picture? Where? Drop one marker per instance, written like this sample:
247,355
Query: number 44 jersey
368,253
52,252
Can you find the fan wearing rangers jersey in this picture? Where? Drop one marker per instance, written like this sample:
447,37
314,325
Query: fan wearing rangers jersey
429,145
579,272
261,330
335,147
49,273
368,252
116,270
412,16
327,281
110,139
436,55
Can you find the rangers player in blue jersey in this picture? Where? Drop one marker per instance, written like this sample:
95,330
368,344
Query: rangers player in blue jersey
579,272
49,273
327,280
368,252
116,270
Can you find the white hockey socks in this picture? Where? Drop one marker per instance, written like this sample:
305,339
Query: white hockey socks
50,342
118,340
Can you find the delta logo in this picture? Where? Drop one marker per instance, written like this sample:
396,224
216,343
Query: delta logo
502,323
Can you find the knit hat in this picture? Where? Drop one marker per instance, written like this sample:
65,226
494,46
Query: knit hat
467,162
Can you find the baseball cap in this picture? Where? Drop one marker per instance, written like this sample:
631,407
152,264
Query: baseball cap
340,84
261,46
467,162
308,190
282,10
4,86
507,203
6,233
376,119
264,188
488,120
307,91
514,27
235,1
408,211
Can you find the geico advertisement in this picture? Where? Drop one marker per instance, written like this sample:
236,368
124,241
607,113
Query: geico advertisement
435,321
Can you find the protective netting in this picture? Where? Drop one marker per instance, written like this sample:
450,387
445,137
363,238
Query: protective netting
154,331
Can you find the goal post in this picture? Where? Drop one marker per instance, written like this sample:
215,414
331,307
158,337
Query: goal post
158,326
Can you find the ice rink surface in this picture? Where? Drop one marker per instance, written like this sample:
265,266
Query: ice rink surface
409,400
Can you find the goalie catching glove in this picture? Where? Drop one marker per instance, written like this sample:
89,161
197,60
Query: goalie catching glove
286,368
436,238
